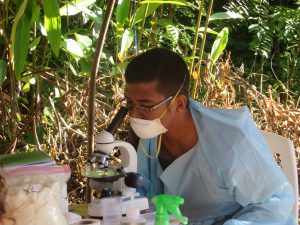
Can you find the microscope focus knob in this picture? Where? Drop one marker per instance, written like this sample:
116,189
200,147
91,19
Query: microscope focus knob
106,193
133,180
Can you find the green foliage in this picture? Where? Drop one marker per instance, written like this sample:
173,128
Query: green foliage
171,31
122,11
52,24
219,44
173,2
140,12
3,71
72,47
17,64
272,34
225,16
75,7
127,40
35,43
21,45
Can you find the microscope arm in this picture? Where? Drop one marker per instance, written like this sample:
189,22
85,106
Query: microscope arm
128,156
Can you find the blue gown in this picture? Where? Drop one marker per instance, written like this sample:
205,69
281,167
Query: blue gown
229,177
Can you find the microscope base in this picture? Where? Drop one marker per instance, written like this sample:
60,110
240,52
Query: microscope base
95,207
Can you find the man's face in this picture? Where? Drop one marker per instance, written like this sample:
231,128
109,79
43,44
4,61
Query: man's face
143,96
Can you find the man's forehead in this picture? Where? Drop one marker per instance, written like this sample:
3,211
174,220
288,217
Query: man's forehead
141,86
142,90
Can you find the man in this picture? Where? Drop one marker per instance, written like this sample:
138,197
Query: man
215,159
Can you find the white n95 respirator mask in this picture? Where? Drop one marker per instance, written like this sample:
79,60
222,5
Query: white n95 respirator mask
147,128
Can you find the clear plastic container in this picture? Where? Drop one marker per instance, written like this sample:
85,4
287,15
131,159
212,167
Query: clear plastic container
111,208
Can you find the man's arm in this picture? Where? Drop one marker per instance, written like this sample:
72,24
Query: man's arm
274,210
242,159
264,193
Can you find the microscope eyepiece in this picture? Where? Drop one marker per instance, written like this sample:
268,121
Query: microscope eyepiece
117,120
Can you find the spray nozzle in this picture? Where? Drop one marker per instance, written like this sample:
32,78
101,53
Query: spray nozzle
165,204
132,212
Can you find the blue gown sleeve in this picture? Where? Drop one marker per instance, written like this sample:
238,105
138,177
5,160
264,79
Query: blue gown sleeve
262,189
270,211
248,170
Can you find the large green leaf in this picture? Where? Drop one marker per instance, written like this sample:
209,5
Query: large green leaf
225,15
75,7
73,48
52,23
96,15
208,30
172,31
34,43
35,12
84,41
122,11
26,87
141,11
93,16
219,44
127,40
3,71
18,16
173,2
21,44
152,6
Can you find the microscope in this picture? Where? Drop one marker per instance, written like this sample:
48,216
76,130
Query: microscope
110,178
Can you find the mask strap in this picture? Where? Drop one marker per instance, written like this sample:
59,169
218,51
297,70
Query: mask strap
158,148
169,106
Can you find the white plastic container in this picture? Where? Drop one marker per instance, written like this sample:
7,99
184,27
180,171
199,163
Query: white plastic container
111,208
133,216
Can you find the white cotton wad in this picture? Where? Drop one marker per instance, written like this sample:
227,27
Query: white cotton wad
34,199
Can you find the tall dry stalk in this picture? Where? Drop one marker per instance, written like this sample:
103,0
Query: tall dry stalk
198,81
198,24
142,28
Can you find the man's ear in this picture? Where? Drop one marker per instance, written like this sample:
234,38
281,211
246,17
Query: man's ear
181,102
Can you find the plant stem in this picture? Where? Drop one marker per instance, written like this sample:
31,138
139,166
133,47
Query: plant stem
202,49
37,99
142,27
92,84
171,13
151,37
13,122
287,82
196,36
261,72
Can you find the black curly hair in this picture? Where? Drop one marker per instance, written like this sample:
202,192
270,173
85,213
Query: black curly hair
163,65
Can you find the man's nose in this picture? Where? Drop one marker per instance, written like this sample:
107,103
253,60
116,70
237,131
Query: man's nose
135,113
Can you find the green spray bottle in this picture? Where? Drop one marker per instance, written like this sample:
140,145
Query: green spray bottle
165,204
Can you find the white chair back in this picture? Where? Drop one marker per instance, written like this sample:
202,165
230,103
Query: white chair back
284,147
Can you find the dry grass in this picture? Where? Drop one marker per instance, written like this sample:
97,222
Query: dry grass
229,90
